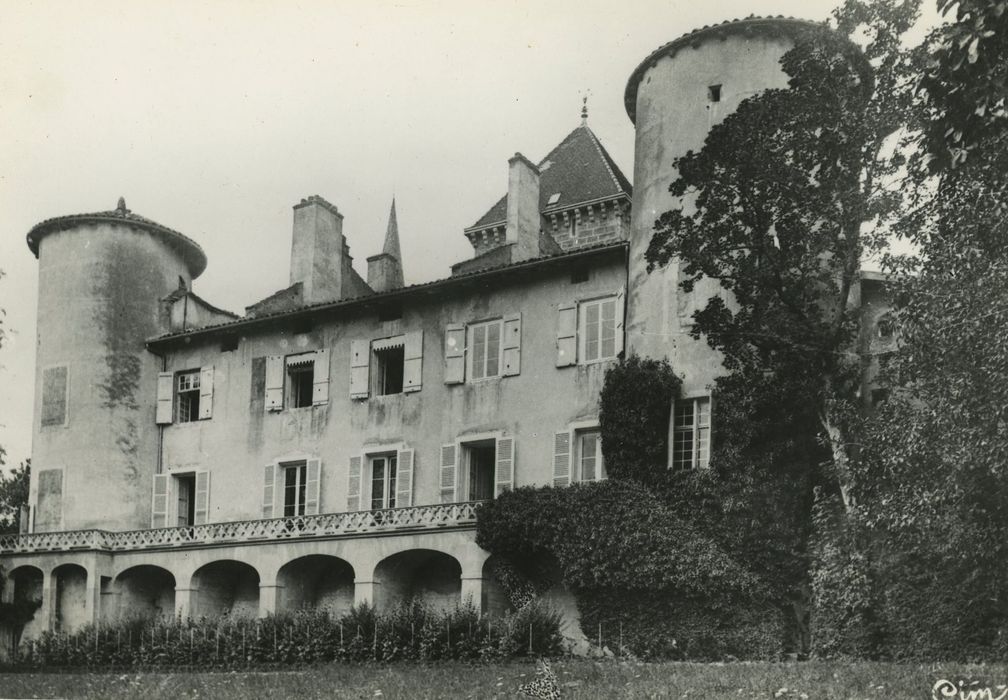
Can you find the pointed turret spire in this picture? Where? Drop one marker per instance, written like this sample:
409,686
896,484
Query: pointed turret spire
391,246
385,268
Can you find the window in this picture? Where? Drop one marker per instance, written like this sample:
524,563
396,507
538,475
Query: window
54,396
714,93
588,455
389,358
383,481
691,433
597,329
485,349
187,395
478,470
295,479
300,380
185,486
553,199
885,328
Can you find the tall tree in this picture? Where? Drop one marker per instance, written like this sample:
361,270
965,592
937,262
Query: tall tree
13,495
786,197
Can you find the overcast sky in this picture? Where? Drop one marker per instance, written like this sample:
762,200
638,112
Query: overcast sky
215,119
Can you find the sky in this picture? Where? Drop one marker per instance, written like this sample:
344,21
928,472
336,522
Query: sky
216,118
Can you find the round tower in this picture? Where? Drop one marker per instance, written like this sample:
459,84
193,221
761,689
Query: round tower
674,97
103,279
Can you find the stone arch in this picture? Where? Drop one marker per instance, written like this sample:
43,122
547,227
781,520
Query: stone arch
70,592
426,575
316,581
26,582
225,587
145,590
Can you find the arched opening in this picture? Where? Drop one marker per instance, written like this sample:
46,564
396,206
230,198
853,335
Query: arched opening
431,577
26,584
225,588
70,597
495,600
316,581
145,591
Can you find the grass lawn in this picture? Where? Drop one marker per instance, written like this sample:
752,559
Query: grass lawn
578,678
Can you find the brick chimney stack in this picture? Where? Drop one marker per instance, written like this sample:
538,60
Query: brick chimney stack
523,217
318,252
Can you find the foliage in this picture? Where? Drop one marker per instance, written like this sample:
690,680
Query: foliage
412,631
634,409
13,496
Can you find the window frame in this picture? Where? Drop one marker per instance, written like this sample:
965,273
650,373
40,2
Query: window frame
300,486
376,378
582,321
193,389
699,453
388,481
289,381
579,433
471,328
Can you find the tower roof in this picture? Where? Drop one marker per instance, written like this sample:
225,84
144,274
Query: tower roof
189,249
391,246
748,26
578,170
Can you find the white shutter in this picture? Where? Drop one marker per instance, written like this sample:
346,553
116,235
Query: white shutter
454,350
562,458
159,503
274,382
512,345
354,484
620,315
202,496
360,361
448,473
320,378
566,335
313,478
165,394
404,479
413,362
206,392
269,491
505,466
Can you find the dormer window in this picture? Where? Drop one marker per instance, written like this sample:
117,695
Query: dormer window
553,199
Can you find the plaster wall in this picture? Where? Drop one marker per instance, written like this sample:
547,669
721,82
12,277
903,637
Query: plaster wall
241,437
673,115
99,292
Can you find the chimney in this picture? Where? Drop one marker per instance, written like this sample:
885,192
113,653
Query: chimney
384,270
523,217
318,251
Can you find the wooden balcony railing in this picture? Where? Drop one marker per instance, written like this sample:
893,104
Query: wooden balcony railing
449,515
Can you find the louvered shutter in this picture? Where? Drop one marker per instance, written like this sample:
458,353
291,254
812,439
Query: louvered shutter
512,345
505,466
165,394
454,353
313,478
354,484
360,360
620,316
269,491
413,362
206,392
404,479
562,458
566,335
159,502
320,378
202,507
274,382
448,472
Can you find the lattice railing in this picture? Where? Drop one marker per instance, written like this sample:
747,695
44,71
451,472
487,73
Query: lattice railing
304,526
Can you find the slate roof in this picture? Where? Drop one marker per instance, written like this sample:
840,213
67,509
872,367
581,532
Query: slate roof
746,25
191,251
579,168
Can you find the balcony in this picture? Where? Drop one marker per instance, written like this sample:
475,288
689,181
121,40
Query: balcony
326,526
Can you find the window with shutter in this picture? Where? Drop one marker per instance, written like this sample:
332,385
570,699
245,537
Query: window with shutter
320,378
206,387
360,360
165,397
274,382
566,336
561,458
597,330
485,349
201,509
404,479
383,471
691,433
159,501
512,345
588,455
354,484
313,480
505,465
448,473
413,362
269,493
